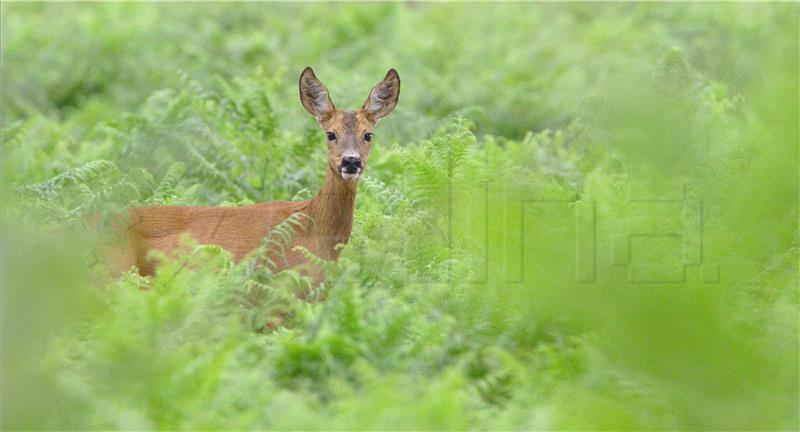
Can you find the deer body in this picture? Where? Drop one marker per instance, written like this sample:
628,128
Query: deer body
327,218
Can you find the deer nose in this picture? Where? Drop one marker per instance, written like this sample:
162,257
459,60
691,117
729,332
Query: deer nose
351,164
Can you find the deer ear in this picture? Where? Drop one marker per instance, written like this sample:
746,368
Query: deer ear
383,97
314,96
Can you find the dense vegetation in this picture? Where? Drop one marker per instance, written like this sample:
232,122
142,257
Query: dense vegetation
580,216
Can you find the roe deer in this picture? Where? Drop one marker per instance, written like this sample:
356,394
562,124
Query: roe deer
240,230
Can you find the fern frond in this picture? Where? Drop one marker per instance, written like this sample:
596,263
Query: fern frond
167,185
311,257
80,175
302,194
276,241
392,199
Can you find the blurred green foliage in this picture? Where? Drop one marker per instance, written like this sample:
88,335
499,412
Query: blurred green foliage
580,216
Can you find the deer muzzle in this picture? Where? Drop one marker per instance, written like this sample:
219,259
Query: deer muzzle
351,167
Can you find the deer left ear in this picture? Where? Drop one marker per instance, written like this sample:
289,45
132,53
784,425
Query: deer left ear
383,97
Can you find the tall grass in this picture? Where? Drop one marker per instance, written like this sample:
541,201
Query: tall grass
580,216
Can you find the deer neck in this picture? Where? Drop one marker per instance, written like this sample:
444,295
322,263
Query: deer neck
332,209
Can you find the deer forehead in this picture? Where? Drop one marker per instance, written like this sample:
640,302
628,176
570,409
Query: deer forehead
348,122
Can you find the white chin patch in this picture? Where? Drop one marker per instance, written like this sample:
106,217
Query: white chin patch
349,176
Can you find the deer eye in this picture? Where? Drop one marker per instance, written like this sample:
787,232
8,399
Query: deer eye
368,136
331,136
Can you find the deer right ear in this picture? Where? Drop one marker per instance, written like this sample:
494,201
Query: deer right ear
314,96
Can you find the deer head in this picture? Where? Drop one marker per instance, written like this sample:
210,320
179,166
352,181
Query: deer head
349,133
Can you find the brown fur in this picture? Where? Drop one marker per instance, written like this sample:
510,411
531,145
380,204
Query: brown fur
240,230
